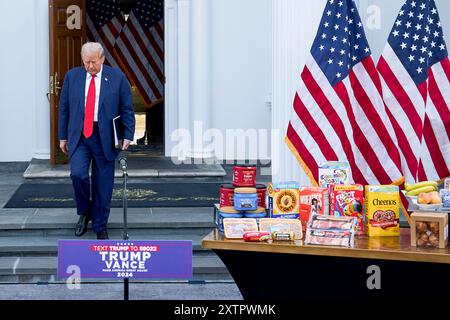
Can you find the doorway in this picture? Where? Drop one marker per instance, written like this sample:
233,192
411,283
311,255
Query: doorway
134,41
132,34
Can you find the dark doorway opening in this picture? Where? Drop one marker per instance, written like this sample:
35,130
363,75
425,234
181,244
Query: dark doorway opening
135,44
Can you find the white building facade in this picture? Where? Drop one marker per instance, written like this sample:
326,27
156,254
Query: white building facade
231,66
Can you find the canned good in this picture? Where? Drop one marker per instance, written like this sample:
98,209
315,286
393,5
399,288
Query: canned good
227,212
245,199
227,195
258,213
244,176
262,191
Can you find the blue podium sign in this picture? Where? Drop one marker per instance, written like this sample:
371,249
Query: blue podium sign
115,259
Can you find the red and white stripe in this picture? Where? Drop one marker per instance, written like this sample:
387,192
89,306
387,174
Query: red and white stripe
107,36
419,115
141,51
435,153
347,122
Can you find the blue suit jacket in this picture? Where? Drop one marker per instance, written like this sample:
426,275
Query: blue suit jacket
115,99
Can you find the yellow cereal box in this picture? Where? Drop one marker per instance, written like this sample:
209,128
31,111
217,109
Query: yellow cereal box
382,205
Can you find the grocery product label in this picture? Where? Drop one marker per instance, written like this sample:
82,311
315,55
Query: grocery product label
382,210
347,201
282,225
313,200
235,228
333,172
284,200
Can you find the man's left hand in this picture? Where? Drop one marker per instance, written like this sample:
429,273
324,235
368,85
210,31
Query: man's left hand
126,144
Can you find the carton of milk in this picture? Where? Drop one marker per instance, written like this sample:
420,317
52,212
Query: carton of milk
333,172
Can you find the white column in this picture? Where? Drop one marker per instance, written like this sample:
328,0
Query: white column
41,104
171,103
295,25
200,77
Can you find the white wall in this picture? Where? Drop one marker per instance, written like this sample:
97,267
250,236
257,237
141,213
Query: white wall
242,66
294,27
17,80
241,72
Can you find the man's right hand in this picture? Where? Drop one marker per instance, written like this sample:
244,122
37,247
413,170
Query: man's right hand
63,146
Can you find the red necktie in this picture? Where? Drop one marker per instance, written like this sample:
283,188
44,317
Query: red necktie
89,111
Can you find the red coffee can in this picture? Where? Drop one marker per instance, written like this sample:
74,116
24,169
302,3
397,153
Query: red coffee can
244,176
261,190
227,195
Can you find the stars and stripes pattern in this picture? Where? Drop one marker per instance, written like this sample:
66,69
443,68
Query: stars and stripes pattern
135,45
140,46
415,72
104,24
338,112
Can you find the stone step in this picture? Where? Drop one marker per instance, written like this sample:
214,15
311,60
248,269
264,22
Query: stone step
114,233
139,166
24,220
48,246
43,269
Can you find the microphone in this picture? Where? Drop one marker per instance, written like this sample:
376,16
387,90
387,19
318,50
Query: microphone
123,162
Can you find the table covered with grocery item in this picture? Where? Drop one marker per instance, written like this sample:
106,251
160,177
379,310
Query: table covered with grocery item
374,267
335,239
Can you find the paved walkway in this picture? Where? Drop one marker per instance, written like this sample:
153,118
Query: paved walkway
114,291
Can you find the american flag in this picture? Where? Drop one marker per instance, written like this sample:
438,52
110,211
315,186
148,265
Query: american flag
338,111
140,47
105,22
415,72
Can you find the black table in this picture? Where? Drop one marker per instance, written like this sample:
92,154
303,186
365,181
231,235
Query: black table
377,267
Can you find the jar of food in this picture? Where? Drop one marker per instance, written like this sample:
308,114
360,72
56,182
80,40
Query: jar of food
227,195
244,176
245,199
261,190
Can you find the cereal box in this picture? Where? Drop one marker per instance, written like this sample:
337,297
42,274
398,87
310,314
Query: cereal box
382,210
347,201
333,172
313,200
284,200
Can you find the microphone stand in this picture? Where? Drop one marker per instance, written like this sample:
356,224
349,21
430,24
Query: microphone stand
123,166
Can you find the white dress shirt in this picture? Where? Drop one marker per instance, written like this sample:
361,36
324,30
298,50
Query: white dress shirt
98,83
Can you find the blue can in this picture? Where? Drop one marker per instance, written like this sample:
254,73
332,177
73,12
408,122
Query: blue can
259,213
245,199
256,214
227,212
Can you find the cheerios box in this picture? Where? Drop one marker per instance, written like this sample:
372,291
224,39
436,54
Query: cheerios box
382,205
283,199
333,172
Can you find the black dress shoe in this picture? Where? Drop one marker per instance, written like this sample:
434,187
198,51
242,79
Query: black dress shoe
82,224
102,235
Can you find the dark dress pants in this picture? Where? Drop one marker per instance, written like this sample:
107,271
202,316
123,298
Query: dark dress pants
95,198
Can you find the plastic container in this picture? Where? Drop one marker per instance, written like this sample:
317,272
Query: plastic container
227,212
227,195
245,199
244,176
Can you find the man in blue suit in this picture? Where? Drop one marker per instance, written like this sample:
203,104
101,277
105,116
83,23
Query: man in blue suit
90,98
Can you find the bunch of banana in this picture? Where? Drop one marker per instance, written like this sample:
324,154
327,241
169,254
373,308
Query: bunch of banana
423,186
